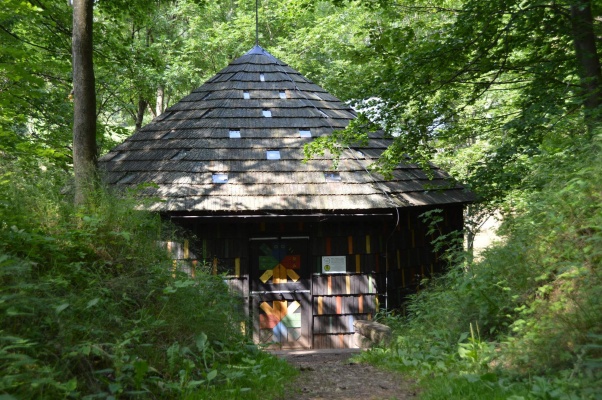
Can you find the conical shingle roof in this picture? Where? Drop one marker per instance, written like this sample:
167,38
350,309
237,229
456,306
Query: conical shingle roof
235,144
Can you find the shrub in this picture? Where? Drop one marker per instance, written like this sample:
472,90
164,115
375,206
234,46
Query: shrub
89,306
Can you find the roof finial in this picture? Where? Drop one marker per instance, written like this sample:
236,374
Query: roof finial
256,22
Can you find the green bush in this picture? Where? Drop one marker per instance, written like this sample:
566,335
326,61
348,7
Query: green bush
536,297
89,307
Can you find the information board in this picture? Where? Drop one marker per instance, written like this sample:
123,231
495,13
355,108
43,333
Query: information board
334,264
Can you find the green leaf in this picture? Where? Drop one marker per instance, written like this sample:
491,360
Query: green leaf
61,308
93,302
211,375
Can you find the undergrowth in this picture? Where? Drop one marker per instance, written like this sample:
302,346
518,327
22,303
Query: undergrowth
90,307
525,321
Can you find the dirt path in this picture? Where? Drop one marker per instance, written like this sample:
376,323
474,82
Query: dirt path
330,374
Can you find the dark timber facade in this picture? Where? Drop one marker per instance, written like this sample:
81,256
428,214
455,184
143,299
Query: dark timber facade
308,246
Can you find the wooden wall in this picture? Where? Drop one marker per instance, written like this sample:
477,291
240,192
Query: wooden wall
386,259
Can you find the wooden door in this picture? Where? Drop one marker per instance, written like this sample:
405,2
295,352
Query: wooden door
280,291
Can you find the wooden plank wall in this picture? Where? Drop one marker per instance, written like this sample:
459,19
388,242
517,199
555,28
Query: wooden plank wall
337,301
394,252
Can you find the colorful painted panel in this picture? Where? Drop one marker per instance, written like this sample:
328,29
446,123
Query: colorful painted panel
279,321
278,265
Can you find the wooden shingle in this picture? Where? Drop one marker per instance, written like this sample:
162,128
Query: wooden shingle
181,149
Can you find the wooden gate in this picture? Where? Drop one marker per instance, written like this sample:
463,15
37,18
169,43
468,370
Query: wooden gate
280,291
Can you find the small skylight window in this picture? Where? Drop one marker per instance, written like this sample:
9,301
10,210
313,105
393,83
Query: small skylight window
234,134
273,154
282,94
262,77
220,178
332,176
304,133
246,95
267,113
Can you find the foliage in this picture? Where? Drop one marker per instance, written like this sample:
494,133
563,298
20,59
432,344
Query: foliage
535,298
89,306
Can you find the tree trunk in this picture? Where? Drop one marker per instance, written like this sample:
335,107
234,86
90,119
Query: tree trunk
84,101
140,113
584,40
160,96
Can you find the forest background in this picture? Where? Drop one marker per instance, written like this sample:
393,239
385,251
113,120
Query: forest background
504,94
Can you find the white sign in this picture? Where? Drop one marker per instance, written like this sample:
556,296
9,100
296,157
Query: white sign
334,264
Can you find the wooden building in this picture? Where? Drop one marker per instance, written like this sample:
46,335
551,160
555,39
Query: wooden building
310,247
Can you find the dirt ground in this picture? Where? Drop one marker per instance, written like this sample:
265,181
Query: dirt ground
331,374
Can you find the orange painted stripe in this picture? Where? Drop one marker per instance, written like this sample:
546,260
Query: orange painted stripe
348,284
339,305
328,247
329,285
360,304
320,305
350,244
358,267
341,341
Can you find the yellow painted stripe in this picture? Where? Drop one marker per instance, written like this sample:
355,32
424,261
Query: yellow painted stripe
320,305
358,267
237,266
186,249
348,284
350,244
266,275
368,244
293,275
266,308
